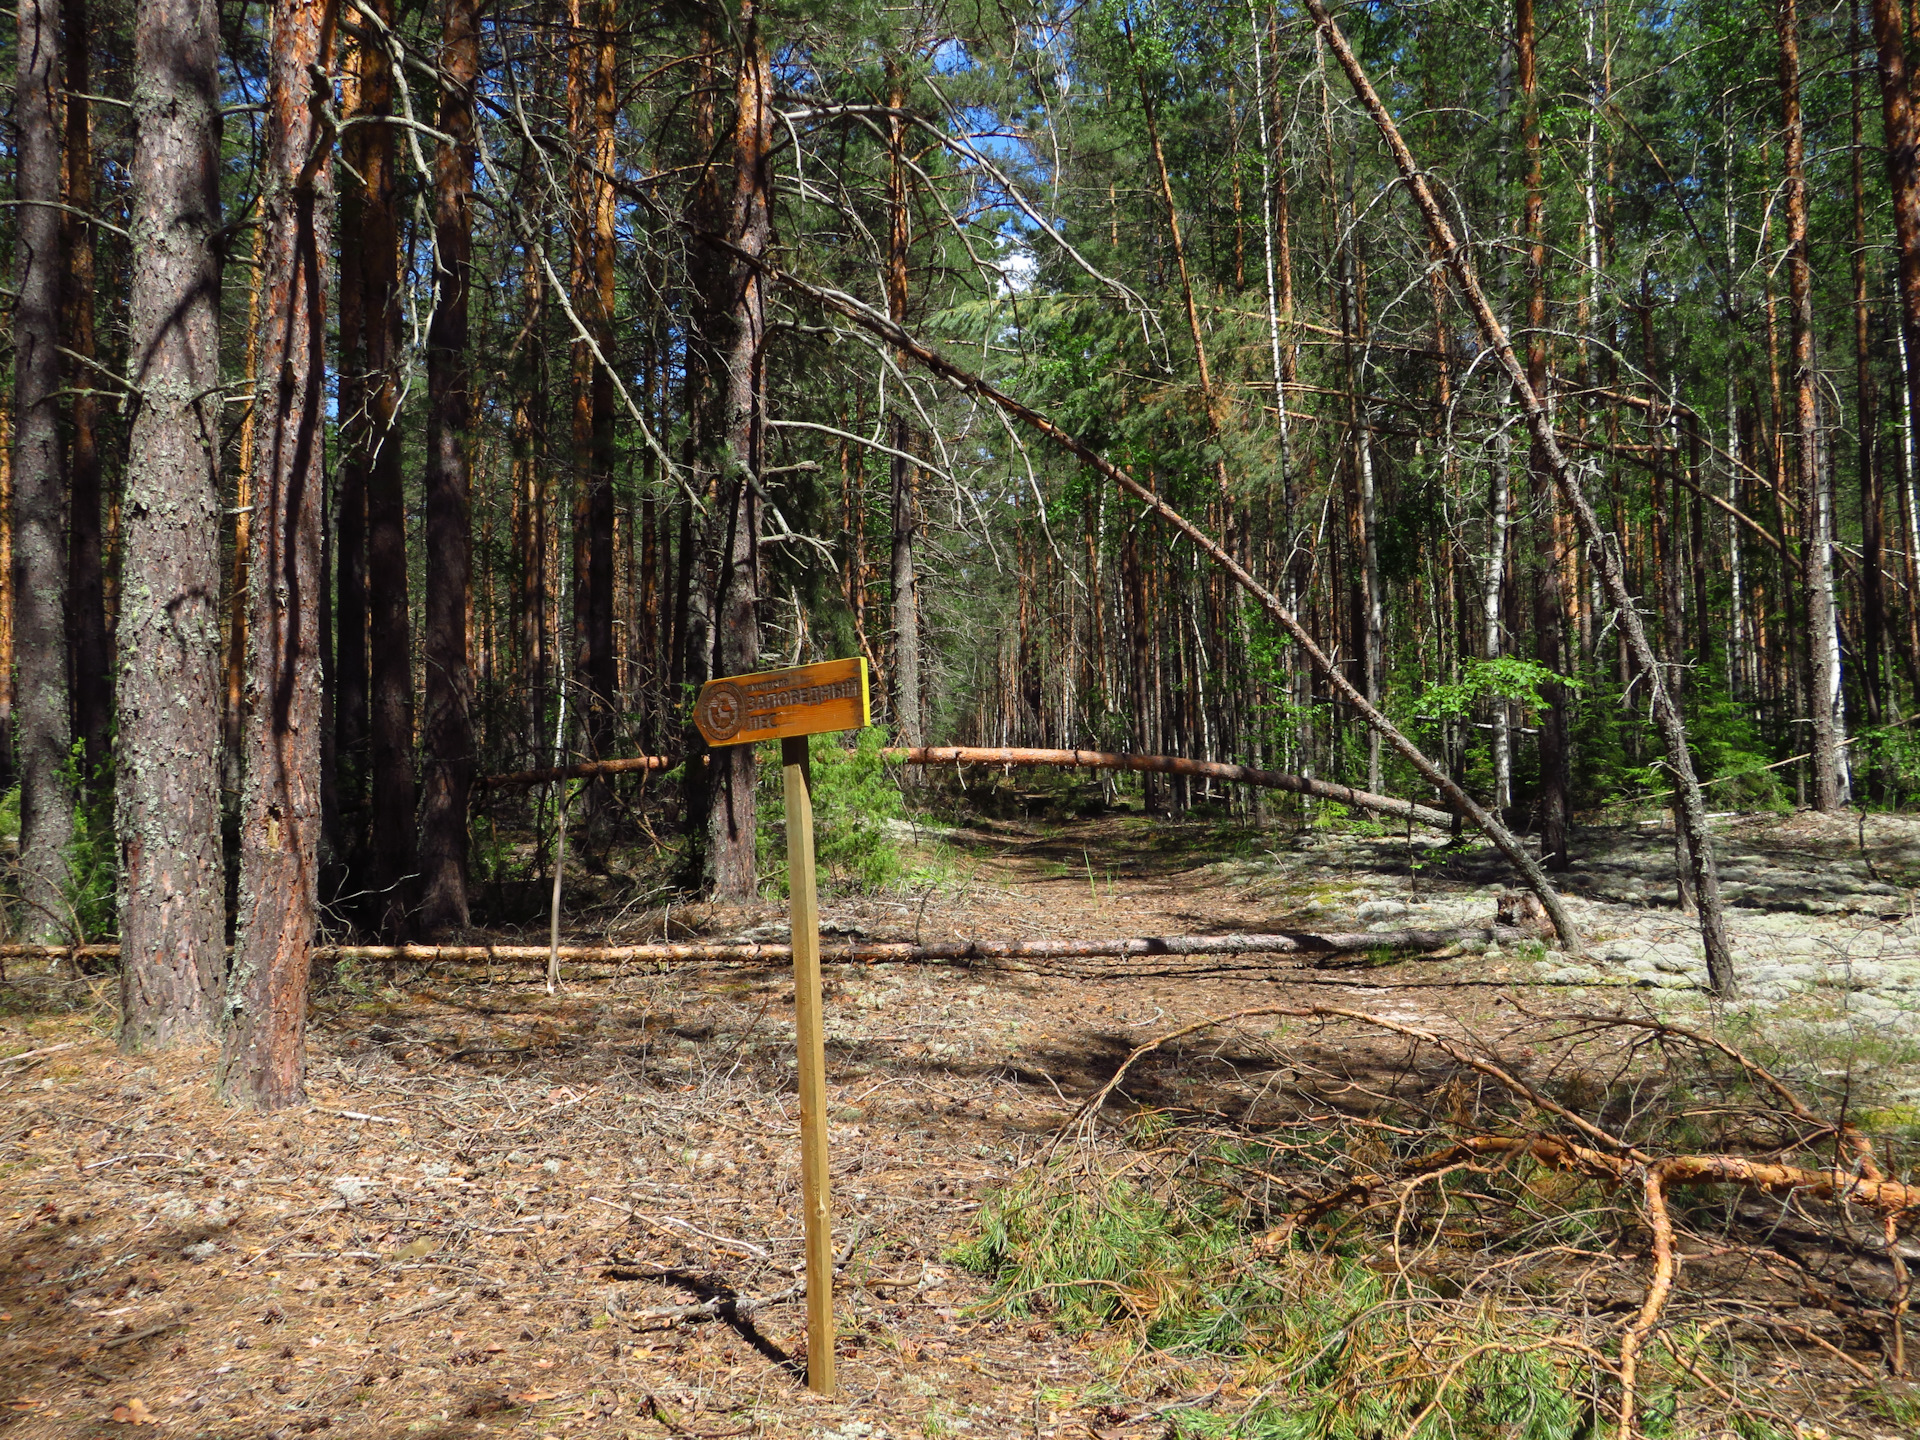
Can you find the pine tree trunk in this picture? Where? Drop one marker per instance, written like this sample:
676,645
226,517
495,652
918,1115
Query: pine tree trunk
6,589
1815,483
349,673
90,647
390,809
1549,603
903,474
173,888
1873,621
1691,811
234,683
447,728
41,720
263,1055
530,478
1902,134
730,869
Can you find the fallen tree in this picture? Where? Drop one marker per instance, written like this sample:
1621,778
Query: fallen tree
1603,549
1334,676
1067,759
876,952
1174,765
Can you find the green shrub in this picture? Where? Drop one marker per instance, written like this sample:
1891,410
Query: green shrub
855,803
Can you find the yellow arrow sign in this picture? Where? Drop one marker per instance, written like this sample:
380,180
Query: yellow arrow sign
807,700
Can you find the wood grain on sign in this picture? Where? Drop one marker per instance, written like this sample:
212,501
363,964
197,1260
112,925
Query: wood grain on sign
807,700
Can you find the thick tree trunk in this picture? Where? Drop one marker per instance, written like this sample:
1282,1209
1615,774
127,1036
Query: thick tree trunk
89,645
447,730
730,871
173,887
904,475
41,720
263,1057
1824,700
1549,603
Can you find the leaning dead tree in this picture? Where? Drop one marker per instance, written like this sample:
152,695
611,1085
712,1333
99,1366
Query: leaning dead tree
1690,813
1066,759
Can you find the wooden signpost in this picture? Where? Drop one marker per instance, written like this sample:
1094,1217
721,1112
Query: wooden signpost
788,706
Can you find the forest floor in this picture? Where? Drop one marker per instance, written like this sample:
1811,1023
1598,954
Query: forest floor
504,1211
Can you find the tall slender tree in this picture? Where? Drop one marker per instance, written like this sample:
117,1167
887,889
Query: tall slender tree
903,474
263,1052
41,723
89,648
1815,480
447,728
391,810
172,888
1548,602
741,336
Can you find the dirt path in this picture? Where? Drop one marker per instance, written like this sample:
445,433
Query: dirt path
500,1200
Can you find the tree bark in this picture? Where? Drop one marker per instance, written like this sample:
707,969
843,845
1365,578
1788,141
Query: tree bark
591,115
531,507
1549,605
6,590
447,730
1873,610
391,874
1824,699
41,722
89,645
904,475
1903,177
263,1055
1692,811
730,869
361,156
172,872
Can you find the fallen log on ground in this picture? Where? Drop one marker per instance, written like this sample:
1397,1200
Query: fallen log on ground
1174,765
879,952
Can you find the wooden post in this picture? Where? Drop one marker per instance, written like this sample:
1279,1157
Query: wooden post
810,1041
788,706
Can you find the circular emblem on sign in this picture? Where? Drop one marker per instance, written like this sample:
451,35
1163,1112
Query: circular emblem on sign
723,707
